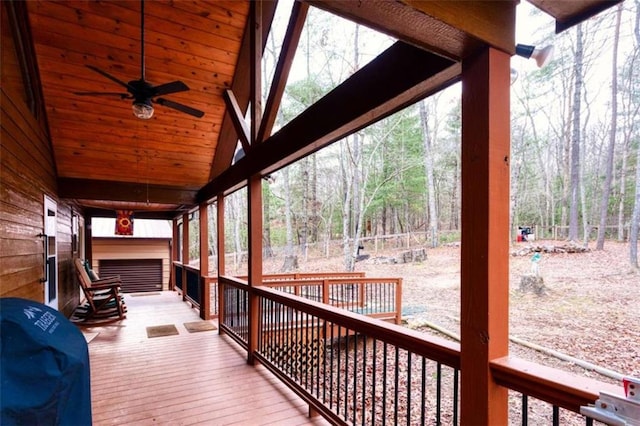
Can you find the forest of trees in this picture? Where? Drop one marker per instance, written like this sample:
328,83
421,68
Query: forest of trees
575,145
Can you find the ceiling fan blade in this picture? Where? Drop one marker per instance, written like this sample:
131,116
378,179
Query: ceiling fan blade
112,78
168,88
120,94
180,107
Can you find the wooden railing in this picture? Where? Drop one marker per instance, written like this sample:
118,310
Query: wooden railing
194,288
187,280
355,370
375,297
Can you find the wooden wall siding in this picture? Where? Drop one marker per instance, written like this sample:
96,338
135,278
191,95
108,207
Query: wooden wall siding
126,248
27,173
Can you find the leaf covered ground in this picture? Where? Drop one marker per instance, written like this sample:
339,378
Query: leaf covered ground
590,309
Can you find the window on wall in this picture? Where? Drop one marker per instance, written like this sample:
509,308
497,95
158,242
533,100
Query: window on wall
75,234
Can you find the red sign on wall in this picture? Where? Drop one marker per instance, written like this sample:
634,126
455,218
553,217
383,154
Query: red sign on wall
124,222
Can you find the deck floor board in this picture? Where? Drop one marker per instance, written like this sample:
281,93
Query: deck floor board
184,379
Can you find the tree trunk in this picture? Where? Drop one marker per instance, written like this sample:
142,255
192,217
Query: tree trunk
428,169
290,259
635,217
267,251
315,214
606,190
237,219
213,231
575,138
347,188
304,231
623,189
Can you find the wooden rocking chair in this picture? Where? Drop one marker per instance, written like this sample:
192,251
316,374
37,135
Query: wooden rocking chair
104,300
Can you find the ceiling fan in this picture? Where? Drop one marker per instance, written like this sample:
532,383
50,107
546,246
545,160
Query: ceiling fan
143,93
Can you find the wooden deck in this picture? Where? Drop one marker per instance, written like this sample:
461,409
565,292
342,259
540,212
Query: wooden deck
184,379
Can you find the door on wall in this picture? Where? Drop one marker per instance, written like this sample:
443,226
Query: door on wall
137,275
50,253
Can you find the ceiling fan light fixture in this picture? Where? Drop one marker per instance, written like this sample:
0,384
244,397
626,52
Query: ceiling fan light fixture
142,109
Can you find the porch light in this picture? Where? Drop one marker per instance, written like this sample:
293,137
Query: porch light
142,109
541,56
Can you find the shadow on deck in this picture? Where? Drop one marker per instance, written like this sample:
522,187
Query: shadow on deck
183,379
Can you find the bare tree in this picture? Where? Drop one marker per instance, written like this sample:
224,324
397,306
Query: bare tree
290,258
606,190
635,217
575,137
428,168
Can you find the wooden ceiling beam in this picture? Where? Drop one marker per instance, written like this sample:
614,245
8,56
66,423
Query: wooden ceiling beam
138,214
400,76
283,67
234,112
89,189
567,14
228,138
492,22
256,48
406,23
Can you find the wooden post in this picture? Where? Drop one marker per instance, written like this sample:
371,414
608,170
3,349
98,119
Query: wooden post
174,254
399,301
255,260
325,292
221,258
485,234
185,253
254,203
205,296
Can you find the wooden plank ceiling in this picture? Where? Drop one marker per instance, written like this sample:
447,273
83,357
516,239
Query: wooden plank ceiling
97,139
108,159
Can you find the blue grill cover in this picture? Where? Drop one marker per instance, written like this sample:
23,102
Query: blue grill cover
44,367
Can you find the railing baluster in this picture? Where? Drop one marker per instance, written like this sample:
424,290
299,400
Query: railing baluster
339,394
384,383
395,390
423,393
331,372
373,387
322,334
556,415
455,396
409,368
364,377
439,394
525,410
346,374
305,345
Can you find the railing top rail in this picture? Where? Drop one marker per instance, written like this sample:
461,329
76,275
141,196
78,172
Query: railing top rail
431,347
308,275
554,386
314,281
187,267
305,282
234,281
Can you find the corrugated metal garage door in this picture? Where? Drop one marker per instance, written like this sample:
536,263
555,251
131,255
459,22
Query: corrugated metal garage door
138,275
